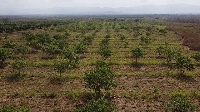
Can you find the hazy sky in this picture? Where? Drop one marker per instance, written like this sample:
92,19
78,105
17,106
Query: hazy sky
10,5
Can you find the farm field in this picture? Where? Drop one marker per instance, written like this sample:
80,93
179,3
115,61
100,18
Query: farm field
47,61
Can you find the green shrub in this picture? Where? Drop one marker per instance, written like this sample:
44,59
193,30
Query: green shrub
58,36
51,49
61,66
126,44
81,47
38,40
105,52
148,33
86,95
145,40
160,50
24,109
105,41
19,64
4,54
196,56
169,54
22,49
35,44
6,109
71,56
101,105
162,31
88,39
43,38
101,64
104,49
49,95
184,63
9,44
61,43
122,37
179,104
12,109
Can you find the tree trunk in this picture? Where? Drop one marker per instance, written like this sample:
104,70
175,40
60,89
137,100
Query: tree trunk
98,94
182,72
136,61
167,60
60,73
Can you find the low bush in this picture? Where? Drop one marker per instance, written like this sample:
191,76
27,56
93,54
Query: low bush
179,104
13,109
101,105
4,54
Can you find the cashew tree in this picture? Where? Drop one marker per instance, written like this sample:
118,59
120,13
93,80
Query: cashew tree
184,63
137,53
100,78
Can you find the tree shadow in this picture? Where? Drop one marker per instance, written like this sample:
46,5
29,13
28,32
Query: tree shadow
137,65
198,64
48,57
185,78
85,97
81,98
160,57
56,80
14,77
3,65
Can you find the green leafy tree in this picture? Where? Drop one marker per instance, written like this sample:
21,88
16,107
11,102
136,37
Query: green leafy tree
107,36
196,56
101,105
169,54
19,64
4,54
61,43
9,44
160,50
179,104
137,53
148,33
71,56
126,44
122,37
105,52
184,63
6,35
81,47
22,49
6,109
61,66
145,40
58,36
105,41
43,38
104,49
51,49
100,78
67,34
88,39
